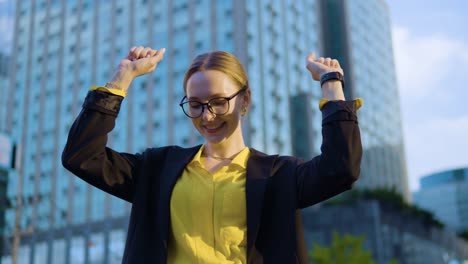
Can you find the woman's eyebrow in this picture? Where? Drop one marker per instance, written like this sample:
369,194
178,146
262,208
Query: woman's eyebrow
210,97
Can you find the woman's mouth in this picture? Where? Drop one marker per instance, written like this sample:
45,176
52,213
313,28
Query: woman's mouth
211,129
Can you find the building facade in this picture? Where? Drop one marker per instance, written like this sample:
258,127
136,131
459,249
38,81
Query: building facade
358,33
4,68
389,234
6,168
62,47
446,195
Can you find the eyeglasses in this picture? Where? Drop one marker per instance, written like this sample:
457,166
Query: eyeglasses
217,106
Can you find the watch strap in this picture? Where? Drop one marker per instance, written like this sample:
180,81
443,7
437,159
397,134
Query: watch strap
332,76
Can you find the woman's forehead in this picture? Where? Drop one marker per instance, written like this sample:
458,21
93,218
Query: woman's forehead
204,84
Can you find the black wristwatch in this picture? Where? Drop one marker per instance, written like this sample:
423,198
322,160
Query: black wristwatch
332,76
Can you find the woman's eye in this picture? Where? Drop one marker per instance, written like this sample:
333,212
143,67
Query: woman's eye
219,102
194,105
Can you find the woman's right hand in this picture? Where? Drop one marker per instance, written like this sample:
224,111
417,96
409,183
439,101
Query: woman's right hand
139,61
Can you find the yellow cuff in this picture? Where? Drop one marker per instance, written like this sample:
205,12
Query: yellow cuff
358,103
108,90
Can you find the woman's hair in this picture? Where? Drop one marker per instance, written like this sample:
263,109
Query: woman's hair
221,61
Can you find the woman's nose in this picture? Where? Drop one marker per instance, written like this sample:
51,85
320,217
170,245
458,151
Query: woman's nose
207,114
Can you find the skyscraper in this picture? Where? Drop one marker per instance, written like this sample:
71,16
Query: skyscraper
63,47
4,63
445,194
358,33
6,161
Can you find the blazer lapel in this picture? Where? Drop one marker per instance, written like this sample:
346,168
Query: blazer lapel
177,160
259,168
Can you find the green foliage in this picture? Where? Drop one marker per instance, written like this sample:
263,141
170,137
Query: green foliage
343,250
389,198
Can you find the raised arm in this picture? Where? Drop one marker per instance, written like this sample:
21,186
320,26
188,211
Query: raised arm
338,166
85,153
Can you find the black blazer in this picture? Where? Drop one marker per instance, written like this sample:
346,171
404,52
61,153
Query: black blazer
275,186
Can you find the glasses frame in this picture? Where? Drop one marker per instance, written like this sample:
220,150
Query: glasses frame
207,104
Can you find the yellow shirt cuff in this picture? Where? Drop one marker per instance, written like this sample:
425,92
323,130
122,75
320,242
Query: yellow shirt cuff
108,90
358,102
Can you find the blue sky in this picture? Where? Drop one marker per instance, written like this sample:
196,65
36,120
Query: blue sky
431,55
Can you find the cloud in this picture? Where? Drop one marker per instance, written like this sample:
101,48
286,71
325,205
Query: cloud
432,77
436,145
424,62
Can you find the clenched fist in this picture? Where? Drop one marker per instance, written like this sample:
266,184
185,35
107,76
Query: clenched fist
320,66
331,90
139,61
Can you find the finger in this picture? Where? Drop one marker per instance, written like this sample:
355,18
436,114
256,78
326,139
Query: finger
130,53
335,63
327,62
145,53
158,57
137,52
311,57
320,60
152,53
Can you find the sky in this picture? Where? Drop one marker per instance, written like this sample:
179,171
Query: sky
430,42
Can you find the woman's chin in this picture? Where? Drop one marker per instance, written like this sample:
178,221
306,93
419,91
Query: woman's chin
214,135
214,139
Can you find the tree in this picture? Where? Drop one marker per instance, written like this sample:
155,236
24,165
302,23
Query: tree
343,250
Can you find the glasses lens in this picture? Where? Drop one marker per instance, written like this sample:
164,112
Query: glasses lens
192,108
219,106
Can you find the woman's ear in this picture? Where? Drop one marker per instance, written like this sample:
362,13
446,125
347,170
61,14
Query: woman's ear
245,102
247,99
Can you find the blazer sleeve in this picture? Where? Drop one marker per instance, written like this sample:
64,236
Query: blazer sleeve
338,166
86,155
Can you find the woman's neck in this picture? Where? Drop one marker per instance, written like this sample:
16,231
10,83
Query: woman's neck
225,149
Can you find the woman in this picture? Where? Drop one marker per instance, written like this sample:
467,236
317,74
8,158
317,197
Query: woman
220,202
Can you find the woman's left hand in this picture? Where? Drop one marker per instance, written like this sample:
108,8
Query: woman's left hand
320,66
331,90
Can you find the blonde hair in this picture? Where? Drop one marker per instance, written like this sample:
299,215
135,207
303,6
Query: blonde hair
221,61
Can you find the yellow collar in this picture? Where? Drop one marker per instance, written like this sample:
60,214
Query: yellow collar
240,159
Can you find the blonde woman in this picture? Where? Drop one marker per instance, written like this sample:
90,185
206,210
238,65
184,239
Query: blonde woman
219,202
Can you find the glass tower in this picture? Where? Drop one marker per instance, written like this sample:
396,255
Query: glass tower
446,195
358,33
63,47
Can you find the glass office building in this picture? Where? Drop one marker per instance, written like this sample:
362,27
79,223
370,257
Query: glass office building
63,47
391,235
358,33
445,194
4,65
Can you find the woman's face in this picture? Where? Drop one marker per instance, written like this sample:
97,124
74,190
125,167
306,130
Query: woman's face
205,85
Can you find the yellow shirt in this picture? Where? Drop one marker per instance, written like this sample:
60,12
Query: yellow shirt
208,214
